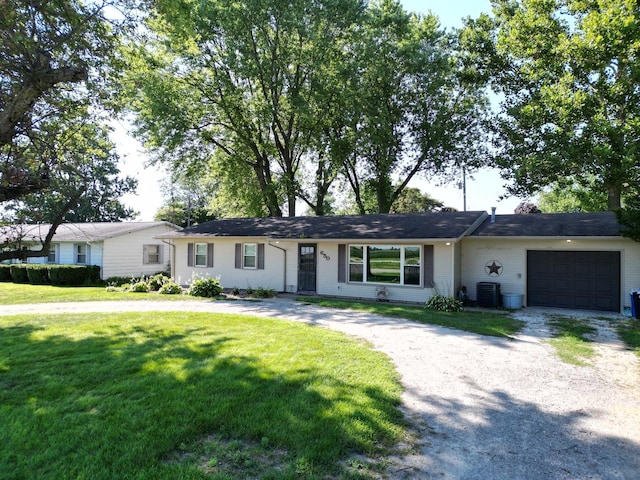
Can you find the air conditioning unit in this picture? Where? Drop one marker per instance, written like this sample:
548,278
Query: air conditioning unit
488,294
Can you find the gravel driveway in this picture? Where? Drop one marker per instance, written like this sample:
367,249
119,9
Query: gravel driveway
482,407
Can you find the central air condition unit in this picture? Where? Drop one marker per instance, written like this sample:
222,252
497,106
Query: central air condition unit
488,294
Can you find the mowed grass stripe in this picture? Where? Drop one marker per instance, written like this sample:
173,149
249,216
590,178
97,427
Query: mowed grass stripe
113,395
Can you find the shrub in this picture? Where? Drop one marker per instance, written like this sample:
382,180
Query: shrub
206,287
5,273
170,288
443,303
38,274
19,273
118,281
264,293
140,287
71,275
157,281
112,288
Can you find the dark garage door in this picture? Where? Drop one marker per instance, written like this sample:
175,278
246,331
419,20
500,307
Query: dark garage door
581,280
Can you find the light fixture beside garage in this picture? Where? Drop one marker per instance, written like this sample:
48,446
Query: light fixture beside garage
568,240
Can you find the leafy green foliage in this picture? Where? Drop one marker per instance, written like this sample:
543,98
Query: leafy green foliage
38,274
5,273
205,287
140,287
157,281
73,275
444,303
170,288
57,64
567,74
19,273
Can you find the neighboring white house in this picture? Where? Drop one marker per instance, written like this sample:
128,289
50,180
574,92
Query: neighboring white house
563,260
119,248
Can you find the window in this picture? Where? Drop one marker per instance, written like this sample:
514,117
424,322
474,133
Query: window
51,258
249,255
201,254
390,264
356,262
152,254
81,253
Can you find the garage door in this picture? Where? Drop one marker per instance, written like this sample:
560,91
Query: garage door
581,280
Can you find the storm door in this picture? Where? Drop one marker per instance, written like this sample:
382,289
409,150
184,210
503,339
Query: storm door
307,267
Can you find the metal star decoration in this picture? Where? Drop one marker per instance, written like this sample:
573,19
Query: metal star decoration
493,268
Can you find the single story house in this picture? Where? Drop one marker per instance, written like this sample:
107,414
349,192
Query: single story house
565,260
120,249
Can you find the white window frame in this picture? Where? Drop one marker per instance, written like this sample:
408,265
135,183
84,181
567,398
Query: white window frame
196,255
402,265
53,252
147,254
81,249
254,255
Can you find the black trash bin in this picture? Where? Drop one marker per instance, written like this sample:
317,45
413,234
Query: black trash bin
635,296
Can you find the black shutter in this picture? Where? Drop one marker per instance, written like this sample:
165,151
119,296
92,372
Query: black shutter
238,255
261,256
209,255
190,255
427,266
342,263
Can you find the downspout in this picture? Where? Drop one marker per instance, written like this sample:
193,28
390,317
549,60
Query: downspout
284,289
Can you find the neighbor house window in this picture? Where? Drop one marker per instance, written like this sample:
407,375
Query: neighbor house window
249,255
152,254
391,264
81,253
201,254
52,257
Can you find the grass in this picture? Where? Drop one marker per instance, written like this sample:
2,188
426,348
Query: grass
630,334
188,396
483,323
569,340
15,293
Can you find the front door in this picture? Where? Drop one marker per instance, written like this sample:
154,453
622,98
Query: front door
307,267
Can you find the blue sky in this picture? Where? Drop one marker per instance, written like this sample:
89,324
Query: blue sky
483,190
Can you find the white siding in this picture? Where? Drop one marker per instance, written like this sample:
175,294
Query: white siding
512,254
271,277
122,256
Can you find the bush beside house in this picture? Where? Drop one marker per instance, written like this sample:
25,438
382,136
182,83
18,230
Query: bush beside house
60,275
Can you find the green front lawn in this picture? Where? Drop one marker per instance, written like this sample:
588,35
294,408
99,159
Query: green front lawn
16,293
188,395
485,323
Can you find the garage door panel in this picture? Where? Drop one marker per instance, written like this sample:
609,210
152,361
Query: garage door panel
582,280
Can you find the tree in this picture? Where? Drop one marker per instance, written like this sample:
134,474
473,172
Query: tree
188,201
241,78
525,208
412,200
567,72
568,196
55,57
417,110
629,219
89,173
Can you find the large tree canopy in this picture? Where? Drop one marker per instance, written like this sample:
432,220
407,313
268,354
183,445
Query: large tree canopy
418,110
283,97
568,75
244,78
55,59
